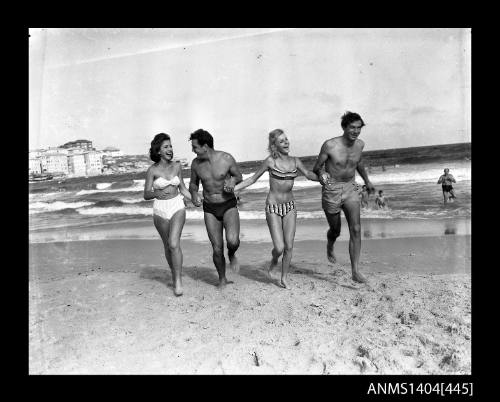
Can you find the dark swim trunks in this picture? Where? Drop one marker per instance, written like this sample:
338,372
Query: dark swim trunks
447,187
218,209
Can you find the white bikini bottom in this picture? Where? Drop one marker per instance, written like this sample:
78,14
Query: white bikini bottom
167,208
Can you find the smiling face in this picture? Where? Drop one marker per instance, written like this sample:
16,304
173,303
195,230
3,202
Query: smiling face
166,151
282,144
353,130
198,149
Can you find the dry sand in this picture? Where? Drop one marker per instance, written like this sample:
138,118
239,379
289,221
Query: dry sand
108,307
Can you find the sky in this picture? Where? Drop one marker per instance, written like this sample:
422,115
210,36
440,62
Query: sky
120,86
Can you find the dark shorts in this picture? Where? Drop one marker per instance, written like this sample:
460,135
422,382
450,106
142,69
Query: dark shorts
447,188
333,196
218,209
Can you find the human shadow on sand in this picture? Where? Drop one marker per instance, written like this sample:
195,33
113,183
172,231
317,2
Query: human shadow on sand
164,276
258,274
336,276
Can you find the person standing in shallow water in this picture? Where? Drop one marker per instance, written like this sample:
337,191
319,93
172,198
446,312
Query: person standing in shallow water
446,181
163,183
281,214
341,157
218,173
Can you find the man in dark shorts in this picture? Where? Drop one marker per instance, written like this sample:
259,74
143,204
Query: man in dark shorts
445,180
218,173
342,157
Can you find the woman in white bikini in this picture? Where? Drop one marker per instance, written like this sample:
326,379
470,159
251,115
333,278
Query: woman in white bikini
281,214
164,184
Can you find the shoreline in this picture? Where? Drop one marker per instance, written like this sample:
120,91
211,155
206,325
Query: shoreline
257,230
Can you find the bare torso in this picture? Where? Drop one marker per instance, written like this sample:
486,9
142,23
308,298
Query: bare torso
280,191
212,173
342,159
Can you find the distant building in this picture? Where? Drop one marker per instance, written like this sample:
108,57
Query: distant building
76,165
93,163
57,150
82,144
35,166
111,151
53,163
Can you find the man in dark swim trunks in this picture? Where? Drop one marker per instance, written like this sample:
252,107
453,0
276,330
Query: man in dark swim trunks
445,180
218,173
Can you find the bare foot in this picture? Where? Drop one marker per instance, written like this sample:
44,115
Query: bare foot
329,253
234,264
178,289
357,277
223,282
284,283
273,264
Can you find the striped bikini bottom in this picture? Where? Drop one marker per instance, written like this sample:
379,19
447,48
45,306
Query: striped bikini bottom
281,209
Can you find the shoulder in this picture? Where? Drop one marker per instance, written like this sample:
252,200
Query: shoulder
151,169
226,156
329,143
269,161
360,143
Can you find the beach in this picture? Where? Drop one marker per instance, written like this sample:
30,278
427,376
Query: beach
107,307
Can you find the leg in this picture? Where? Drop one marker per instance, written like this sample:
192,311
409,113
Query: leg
231,222
333,232
445,196
174,239
214,230
276,230
351,211
163,227
289,225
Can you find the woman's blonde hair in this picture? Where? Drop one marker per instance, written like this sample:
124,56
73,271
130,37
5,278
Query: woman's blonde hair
273,135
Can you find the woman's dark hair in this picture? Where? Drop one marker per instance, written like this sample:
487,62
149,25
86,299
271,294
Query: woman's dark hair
350,117
203,137
155,146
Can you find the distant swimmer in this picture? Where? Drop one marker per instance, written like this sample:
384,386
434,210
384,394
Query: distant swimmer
381,200
445,180
281,212
342,157
364,196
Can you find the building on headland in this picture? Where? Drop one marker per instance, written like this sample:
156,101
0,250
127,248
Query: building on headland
35,166
81,144
54,163
111,151
93,163
76,164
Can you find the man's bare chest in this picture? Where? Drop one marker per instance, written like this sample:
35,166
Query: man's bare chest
212,171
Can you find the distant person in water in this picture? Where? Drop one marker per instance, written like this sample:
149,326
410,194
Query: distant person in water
218,173
342,158
446,181
381,200
364,196
281,211
164,184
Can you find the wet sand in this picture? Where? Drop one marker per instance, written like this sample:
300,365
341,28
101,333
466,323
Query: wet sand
107,307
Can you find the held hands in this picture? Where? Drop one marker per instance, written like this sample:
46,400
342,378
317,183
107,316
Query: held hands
324,179
196,200
370,187
229,185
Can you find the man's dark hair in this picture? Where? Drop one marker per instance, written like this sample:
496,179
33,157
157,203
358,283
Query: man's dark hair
350,117
156,145
203,137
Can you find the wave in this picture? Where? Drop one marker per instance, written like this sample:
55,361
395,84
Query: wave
39,207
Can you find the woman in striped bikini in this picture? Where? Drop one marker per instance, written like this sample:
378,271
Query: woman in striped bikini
281,214
164,184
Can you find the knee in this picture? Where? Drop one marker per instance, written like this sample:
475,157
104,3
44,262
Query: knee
279,249
287,249
233,244
356,230
173,245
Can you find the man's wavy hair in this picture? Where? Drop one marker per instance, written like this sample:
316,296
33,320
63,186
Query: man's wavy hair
154,154
203,137
273,136
350,117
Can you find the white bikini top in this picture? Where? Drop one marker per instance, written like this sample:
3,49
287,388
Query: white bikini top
161,182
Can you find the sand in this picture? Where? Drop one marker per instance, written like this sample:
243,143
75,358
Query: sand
107,307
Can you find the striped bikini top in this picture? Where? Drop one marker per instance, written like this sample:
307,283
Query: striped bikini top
280,175
161,182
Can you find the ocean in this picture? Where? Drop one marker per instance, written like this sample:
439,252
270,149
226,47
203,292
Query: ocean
101,204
